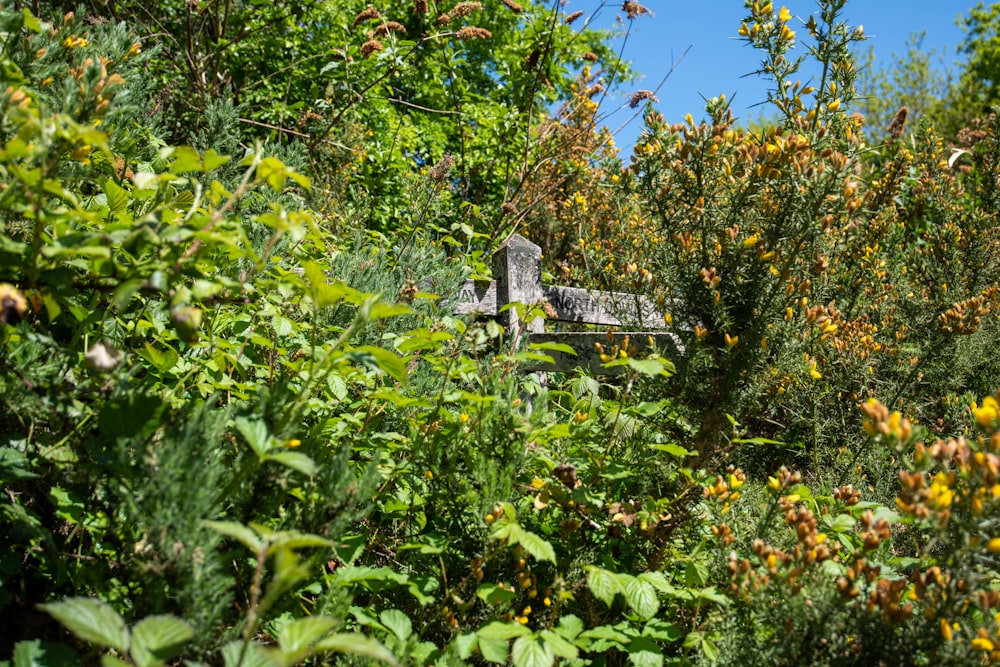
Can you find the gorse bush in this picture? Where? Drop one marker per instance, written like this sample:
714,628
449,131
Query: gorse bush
243,426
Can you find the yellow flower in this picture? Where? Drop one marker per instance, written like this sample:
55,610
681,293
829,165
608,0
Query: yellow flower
983,644
784,14
945,630
993,546
293,443
731,341
988,413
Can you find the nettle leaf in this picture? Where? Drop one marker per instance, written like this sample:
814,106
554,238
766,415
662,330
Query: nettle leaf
91,620
604,585
559,645
158,639
297,638
537,546
398,622
641,596
356,644
255,432
235,655
644,652
531,652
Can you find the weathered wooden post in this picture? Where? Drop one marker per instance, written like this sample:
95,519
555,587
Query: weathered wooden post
517,270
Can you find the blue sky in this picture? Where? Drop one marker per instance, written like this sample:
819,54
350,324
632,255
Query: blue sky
716,62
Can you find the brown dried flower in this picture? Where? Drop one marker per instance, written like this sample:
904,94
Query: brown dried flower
636,98
531,60
465,9
590,57
472,32
513,6
367,15
898,123
441,170
634,10
370,47
390,26
574,16
420,7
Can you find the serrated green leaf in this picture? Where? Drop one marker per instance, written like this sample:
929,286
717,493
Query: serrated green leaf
213,160
494,650
499,630
661,630
254,430
356,644
651,367
569,626
297,638
673,450
158,639
537,546
233,655
559,645
641,596
528,651
381,359
554,346
643,652
238,532
465,644
604,585
91,620
398,623
184,159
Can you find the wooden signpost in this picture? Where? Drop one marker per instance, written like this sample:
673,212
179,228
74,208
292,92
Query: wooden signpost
517,272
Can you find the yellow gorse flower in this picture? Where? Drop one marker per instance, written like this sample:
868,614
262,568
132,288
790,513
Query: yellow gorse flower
988,414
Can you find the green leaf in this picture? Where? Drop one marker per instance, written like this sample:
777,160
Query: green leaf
13,465
254,430
559,645
643,652
530,652
213,160
36,653
294,460
323,292
398,622
185,159
356,644
117,196
382,359
537,546
672,449
661,630
695,574
158,639
554,346
91,620
569,626
464,644
253,657
499,630
238,532
297,638
162,360
641,596
651,367
604,585
108,660
493,594
494,650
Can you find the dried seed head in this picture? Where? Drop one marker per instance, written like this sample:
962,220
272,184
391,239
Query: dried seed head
634,10
636,98
465,8
367,15
420,7
472,32
508,208
390,26
513,6
574,16
898,123
370,47
531,60
590,57
441,170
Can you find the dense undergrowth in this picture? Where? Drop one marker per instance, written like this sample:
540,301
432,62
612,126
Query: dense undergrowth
241,424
